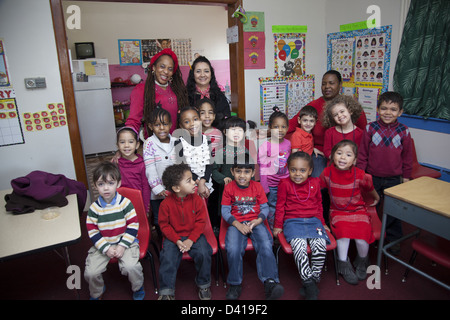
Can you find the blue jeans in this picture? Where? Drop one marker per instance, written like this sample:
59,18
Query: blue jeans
170,259
235,244
272,202
320,163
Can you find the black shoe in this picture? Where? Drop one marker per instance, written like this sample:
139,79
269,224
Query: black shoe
361,265
234,292
309,290
272,289
346,270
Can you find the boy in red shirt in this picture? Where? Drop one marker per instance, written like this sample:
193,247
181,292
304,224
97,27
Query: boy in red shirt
182,218
244,207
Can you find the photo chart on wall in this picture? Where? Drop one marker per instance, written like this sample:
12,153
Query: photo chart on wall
181,47
289,94
363,59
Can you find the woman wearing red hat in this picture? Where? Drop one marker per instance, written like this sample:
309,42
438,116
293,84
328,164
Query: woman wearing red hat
164,88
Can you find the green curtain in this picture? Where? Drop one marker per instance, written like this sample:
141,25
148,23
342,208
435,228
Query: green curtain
422,71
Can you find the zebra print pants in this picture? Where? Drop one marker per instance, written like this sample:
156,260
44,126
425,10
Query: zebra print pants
306,269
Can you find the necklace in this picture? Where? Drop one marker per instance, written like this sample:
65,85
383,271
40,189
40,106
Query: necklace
343,134
161,85
351,198
309,191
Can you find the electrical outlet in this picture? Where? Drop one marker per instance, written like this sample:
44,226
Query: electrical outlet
35,83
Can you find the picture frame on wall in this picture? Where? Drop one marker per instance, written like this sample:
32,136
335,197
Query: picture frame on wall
130,53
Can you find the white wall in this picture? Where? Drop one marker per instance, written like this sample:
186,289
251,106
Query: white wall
323,17
27,30
105,23
287,12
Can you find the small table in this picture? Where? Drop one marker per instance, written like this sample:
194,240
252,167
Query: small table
423,202
30,233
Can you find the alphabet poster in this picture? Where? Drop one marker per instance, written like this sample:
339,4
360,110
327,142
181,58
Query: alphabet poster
289,54
289,94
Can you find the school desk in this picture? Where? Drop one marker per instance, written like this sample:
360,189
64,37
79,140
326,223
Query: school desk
34,232
423,202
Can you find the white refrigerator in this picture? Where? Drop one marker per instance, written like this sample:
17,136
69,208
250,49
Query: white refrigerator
94,104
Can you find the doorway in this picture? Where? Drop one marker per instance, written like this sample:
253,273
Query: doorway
236,71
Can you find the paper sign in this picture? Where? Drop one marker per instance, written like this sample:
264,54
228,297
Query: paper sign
289,29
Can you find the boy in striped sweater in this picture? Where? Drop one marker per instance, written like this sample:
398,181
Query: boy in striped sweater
112,225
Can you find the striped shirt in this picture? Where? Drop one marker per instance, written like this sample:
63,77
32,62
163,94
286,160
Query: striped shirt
113,223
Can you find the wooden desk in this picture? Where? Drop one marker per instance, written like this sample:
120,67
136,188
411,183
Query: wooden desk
29,232
422,202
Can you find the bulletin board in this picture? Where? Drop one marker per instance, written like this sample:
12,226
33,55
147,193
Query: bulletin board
363,59
289,94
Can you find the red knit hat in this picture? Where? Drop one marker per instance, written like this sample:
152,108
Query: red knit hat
168,52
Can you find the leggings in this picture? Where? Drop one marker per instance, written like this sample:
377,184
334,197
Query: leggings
318,253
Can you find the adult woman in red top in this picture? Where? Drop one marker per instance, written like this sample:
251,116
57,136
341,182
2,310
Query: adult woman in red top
164,88
331,87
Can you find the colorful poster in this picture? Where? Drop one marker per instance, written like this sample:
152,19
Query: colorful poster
130,52
342,57
255,22
371,53
254,50
10,126
53,117
4,76
368,98
288,94
289,54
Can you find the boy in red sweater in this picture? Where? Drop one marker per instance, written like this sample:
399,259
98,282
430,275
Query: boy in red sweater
385,152
182,218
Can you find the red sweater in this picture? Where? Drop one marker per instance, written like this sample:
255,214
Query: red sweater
298,201
182,217
319,131
333,136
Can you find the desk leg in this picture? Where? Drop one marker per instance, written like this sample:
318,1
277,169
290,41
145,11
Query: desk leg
67,260
381,242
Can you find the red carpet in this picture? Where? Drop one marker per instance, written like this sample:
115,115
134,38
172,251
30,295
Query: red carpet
43,276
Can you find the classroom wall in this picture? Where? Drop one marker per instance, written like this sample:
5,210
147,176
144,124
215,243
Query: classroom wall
27,31
323,17
105,23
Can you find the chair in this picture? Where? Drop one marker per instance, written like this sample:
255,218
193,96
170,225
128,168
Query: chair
435,248
144,235
211,238
421,171
288,249
222,234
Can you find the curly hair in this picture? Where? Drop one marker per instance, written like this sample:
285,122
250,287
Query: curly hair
173,175
177,85
351,104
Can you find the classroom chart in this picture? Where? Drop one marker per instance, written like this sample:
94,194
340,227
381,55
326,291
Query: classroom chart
289,94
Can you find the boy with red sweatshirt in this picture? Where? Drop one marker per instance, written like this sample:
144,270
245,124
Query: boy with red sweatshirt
385,152
182,218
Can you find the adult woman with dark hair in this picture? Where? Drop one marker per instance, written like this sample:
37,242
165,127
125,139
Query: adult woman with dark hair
202,83
164,88
331,87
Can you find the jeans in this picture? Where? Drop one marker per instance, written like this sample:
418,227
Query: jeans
272,202
235,244
154,204
320,163
393,225
170,259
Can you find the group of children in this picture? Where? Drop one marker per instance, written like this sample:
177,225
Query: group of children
197,161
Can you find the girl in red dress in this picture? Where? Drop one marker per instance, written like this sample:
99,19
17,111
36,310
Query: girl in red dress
349,218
